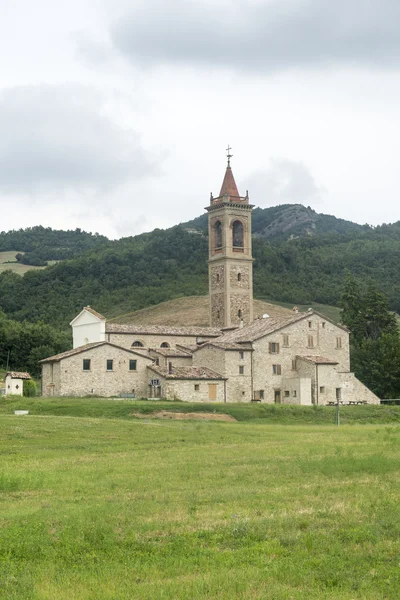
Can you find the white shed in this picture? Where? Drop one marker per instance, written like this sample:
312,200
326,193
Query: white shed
14,383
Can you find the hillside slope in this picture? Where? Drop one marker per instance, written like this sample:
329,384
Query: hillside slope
190,310
290,221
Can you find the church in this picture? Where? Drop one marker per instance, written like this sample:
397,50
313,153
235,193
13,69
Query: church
298,358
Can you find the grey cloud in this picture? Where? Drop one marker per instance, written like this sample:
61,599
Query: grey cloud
284,182
60,137
271,35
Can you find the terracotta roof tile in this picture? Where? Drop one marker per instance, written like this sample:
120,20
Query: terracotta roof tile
226,345
94,312
187,373
172,352
318,360
229,187
163,330
260,328
18,375
68,353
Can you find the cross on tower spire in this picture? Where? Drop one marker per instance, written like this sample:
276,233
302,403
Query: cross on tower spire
229,155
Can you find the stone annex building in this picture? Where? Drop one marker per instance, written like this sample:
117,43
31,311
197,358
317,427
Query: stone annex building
302,358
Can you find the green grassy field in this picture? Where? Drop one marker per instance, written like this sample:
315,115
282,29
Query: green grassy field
112,507
9,263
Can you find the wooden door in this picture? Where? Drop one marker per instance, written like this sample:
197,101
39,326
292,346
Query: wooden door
212,391
277,395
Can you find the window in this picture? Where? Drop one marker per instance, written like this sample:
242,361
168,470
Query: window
132,365
218,314
110,364
323,324
241,370
276,369
241,355
273,348
310,342
237,234
196,387
286,340
239,314
218,235
261,394
164,345
239,277
322,389
294,393
137,344
294,365
86,364
157,362
286,393
309,324
218,277
338,343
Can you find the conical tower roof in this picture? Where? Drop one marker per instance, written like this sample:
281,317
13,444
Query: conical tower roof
229,187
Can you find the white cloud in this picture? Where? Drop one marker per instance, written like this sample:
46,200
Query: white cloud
284,181
263,36
60,137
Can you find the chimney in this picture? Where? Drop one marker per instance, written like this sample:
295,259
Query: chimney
295,309
170,368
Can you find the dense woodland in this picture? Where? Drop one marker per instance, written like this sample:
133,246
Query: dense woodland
300,257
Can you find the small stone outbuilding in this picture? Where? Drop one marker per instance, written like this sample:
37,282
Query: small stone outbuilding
14,383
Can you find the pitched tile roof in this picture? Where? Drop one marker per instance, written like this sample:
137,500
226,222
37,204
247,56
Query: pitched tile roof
18,375
68,353
172,352
94,312
261,327
318,360
163,330
187,373
226,345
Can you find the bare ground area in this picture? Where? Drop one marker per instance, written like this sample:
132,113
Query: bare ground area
181,416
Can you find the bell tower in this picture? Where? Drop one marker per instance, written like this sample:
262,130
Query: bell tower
230,264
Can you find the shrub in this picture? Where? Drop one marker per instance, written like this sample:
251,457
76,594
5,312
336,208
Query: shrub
29,389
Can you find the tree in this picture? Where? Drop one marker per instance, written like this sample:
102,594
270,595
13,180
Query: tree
374,338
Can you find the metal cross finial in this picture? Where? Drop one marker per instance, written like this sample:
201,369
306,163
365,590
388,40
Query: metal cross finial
229,155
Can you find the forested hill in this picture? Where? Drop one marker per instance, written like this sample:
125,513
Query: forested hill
41,244
122,276
288,221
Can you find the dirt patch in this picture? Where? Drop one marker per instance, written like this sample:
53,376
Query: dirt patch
182,416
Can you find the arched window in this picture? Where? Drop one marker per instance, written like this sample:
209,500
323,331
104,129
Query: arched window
239,277
137,344
239,314
237,234
218,234
165,345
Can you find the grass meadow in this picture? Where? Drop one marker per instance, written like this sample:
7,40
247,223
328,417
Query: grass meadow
106,506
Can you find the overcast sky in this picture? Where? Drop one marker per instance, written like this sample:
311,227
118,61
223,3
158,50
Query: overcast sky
115,114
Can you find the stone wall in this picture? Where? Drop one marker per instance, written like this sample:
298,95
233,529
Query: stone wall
218,310
51,379
217,277
227,363
186,390
150,340
324,337
243,271
74,381
240,302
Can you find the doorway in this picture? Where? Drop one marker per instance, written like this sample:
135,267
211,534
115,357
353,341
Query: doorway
212,391
277,396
